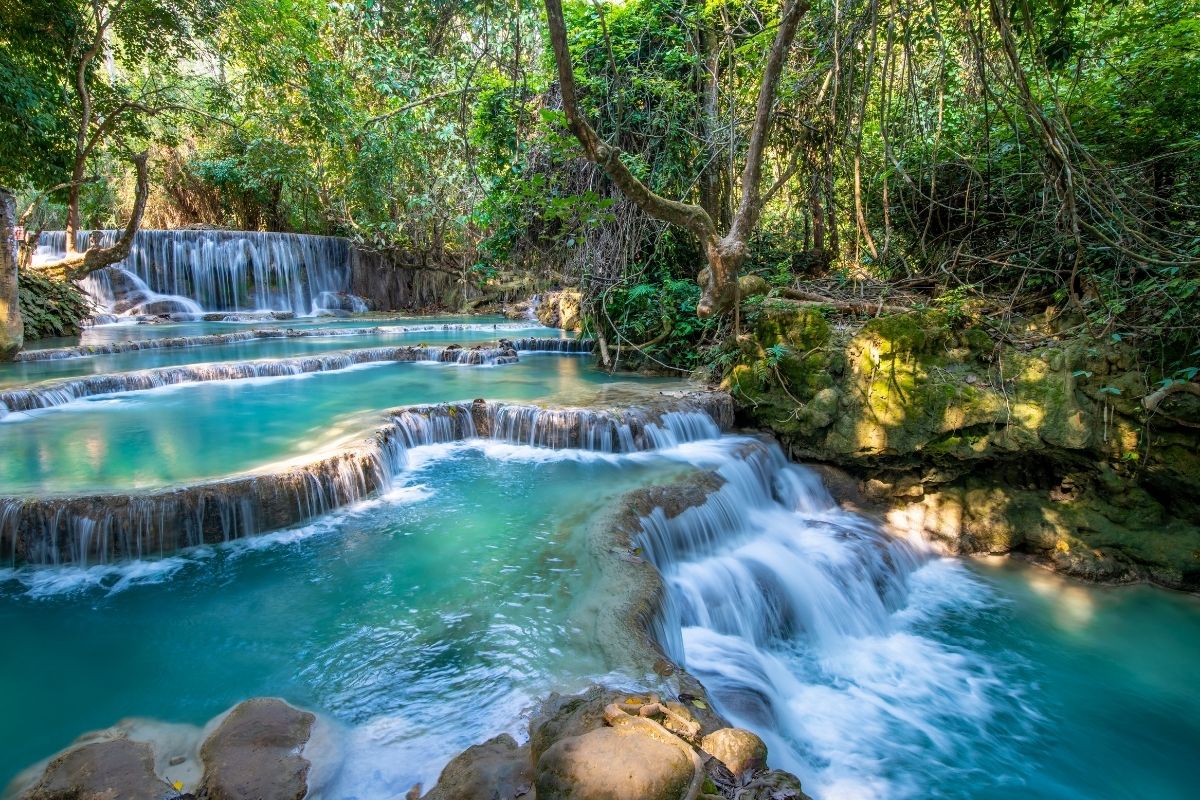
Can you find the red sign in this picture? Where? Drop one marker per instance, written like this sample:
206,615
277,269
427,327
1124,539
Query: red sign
19,233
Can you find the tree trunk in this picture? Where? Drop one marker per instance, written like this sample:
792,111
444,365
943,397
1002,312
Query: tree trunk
725,254
79,265
12,327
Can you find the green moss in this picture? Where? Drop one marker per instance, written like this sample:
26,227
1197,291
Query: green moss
915,332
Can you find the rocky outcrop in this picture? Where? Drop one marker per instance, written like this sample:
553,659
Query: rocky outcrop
606,744
257,753
394,282
117,768
562,309
1042,448
498,769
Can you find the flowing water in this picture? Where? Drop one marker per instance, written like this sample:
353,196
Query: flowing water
195,271
428,618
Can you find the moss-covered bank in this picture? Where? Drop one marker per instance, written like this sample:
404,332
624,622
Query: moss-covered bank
1042,447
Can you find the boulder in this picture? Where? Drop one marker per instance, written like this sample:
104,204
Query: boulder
498,769
773,785
256,753
561,309
738,749
117,768
613,764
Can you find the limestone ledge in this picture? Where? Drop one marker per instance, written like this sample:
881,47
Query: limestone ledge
1043,448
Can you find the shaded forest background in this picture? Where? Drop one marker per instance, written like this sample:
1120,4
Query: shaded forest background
992,158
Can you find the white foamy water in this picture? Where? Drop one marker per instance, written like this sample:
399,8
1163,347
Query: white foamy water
812,627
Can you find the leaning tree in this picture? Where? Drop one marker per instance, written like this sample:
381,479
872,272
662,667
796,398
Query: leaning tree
725,246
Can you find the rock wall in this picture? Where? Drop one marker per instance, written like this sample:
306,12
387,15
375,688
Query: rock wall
1043,448
561,309
389,284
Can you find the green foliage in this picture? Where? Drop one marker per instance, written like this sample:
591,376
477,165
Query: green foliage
50,307
660,316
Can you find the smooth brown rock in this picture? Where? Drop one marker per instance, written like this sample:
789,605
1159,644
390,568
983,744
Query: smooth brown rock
118,768
255,753
738,749
498,769
611,764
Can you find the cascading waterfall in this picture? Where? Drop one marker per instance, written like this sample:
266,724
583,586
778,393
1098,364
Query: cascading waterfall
186,271
103,528
62,392
551,345
804,622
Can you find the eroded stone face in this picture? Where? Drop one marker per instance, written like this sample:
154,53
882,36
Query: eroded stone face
256,753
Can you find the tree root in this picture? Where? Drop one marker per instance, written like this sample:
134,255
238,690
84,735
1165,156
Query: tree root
620,716
849,306
1152,401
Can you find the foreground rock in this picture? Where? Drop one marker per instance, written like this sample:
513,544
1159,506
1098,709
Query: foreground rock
256,753
609,745
498,769
118,768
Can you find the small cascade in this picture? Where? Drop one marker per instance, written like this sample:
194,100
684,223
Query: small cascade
531,310
105,528
206,340
121,293
102,528
59,393
552,345
804,622
626,431
219,271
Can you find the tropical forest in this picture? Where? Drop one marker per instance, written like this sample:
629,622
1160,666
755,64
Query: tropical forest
599,399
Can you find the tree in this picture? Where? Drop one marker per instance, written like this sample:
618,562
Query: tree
724,252
107,113
11,327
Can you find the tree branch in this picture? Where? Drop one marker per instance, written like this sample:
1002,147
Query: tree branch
79,265
608,158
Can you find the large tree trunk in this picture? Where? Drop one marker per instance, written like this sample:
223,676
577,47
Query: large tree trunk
79,265
12,327
725,254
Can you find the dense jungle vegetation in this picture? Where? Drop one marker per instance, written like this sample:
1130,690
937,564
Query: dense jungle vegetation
989,158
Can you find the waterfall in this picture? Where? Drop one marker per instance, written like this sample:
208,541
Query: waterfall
109,527
551,345
218,271
806,624
599,431
59,393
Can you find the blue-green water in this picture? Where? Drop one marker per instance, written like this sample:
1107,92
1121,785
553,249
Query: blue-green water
138,440
430,619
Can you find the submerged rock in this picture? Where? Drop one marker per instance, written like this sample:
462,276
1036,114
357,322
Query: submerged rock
117,768
256,753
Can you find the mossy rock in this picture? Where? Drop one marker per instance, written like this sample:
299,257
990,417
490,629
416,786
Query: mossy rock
798,328
916,332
